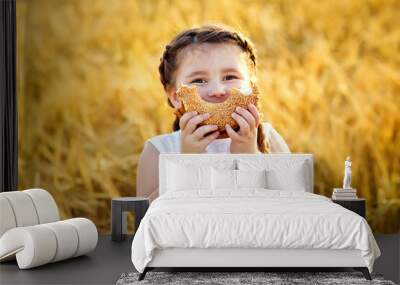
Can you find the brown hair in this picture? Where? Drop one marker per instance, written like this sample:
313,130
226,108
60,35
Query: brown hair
204,34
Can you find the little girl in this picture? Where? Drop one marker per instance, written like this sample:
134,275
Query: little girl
214,59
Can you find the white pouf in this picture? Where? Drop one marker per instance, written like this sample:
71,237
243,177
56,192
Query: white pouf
23,209
7,219
31,232
46,207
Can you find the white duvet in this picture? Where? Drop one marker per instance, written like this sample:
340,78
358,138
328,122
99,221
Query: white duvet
252,218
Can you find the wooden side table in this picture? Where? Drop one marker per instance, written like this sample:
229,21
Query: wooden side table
119,207
356,205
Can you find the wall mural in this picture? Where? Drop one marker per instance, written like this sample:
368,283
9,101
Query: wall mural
89,93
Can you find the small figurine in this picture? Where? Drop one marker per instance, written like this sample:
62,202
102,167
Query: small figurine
347,174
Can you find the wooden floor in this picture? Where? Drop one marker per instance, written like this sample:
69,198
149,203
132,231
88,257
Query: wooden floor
111,259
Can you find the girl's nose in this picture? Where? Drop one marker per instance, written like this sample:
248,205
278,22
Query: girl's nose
218,90
217,94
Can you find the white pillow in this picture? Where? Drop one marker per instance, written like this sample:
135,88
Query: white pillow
293,178
182,177
223,179
237,179
251,178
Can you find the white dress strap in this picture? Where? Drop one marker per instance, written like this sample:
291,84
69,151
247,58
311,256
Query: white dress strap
167,143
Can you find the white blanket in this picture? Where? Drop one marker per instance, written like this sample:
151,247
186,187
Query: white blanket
252,218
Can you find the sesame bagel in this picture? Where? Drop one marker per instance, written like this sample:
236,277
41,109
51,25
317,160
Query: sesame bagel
220,113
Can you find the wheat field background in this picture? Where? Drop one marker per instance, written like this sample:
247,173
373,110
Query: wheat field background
89,94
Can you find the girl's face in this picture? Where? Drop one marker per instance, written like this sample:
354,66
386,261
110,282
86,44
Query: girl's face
214,69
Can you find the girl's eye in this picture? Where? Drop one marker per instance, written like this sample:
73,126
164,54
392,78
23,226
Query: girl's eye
230,77
198,80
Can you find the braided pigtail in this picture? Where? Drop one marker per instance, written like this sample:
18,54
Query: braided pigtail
175,125
261,144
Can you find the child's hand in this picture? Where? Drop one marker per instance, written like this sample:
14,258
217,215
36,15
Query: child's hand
245,140
192,138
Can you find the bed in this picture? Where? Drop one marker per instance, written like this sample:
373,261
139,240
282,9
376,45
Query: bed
247,210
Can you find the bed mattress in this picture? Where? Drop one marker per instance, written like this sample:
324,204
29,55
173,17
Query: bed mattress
250,219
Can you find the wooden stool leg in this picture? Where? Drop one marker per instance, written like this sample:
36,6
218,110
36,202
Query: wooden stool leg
116,221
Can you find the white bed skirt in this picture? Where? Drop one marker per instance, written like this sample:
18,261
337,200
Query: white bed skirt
235,257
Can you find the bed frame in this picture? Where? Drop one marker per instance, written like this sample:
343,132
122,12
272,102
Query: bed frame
248,259
242,259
